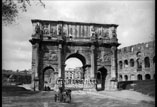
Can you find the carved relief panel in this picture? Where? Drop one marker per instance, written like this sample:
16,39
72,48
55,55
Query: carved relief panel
105,33
53,56
99,32
104,57
107,57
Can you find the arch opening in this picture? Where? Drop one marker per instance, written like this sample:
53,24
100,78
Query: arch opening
131,62
120,78
74,66
120,64
146,62
74,72
78,56
139,77
139,64
101,77
126,78
125,63
49,78
72,63
147,77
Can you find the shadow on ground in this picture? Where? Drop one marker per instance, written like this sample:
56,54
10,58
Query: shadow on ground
16,91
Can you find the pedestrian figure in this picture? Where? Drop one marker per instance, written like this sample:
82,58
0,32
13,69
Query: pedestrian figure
63,95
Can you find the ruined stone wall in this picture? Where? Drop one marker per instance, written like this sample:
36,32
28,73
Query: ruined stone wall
136,62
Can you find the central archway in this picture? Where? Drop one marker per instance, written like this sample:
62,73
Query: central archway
79,56
101,77
74,71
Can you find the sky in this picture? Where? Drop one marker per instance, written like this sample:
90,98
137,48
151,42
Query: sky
136,20
73,63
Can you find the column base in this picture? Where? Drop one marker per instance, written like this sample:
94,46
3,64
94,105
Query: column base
89,85
35,84
113,85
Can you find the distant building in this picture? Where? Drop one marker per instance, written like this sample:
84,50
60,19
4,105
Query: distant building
137,62
76,73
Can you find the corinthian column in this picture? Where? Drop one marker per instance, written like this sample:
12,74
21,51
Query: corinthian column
35,62
60,60
61,66
93,62
114,68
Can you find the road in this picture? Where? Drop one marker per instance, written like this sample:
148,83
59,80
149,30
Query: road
82,99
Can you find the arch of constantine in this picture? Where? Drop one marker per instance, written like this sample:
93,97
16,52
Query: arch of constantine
53,42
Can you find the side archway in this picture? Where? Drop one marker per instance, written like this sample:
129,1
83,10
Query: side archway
49,77
101,77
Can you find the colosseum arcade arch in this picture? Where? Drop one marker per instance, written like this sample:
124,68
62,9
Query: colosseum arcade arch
53,42
139,77
147,77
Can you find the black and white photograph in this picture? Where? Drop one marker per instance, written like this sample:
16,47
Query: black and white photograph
78,53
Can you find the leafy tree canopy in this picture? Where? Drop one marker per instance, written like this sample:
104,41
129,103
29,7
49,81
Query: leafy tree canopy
11,8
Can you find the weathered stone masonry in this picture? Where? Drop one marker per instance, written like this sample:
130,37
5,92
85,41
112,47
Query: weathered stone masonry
137,62
53,42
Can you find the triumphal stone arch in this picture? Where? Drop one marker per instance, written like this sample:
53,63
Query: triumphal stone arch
53,42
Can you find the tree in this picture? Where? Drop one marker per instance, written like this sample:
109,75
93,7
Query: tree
11,8
17,70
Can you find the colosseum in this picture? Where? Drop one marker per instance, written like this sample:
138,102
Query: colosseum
137,62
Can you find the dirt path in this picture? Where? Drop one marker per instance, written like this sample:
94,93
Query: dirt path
80,99
124,98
